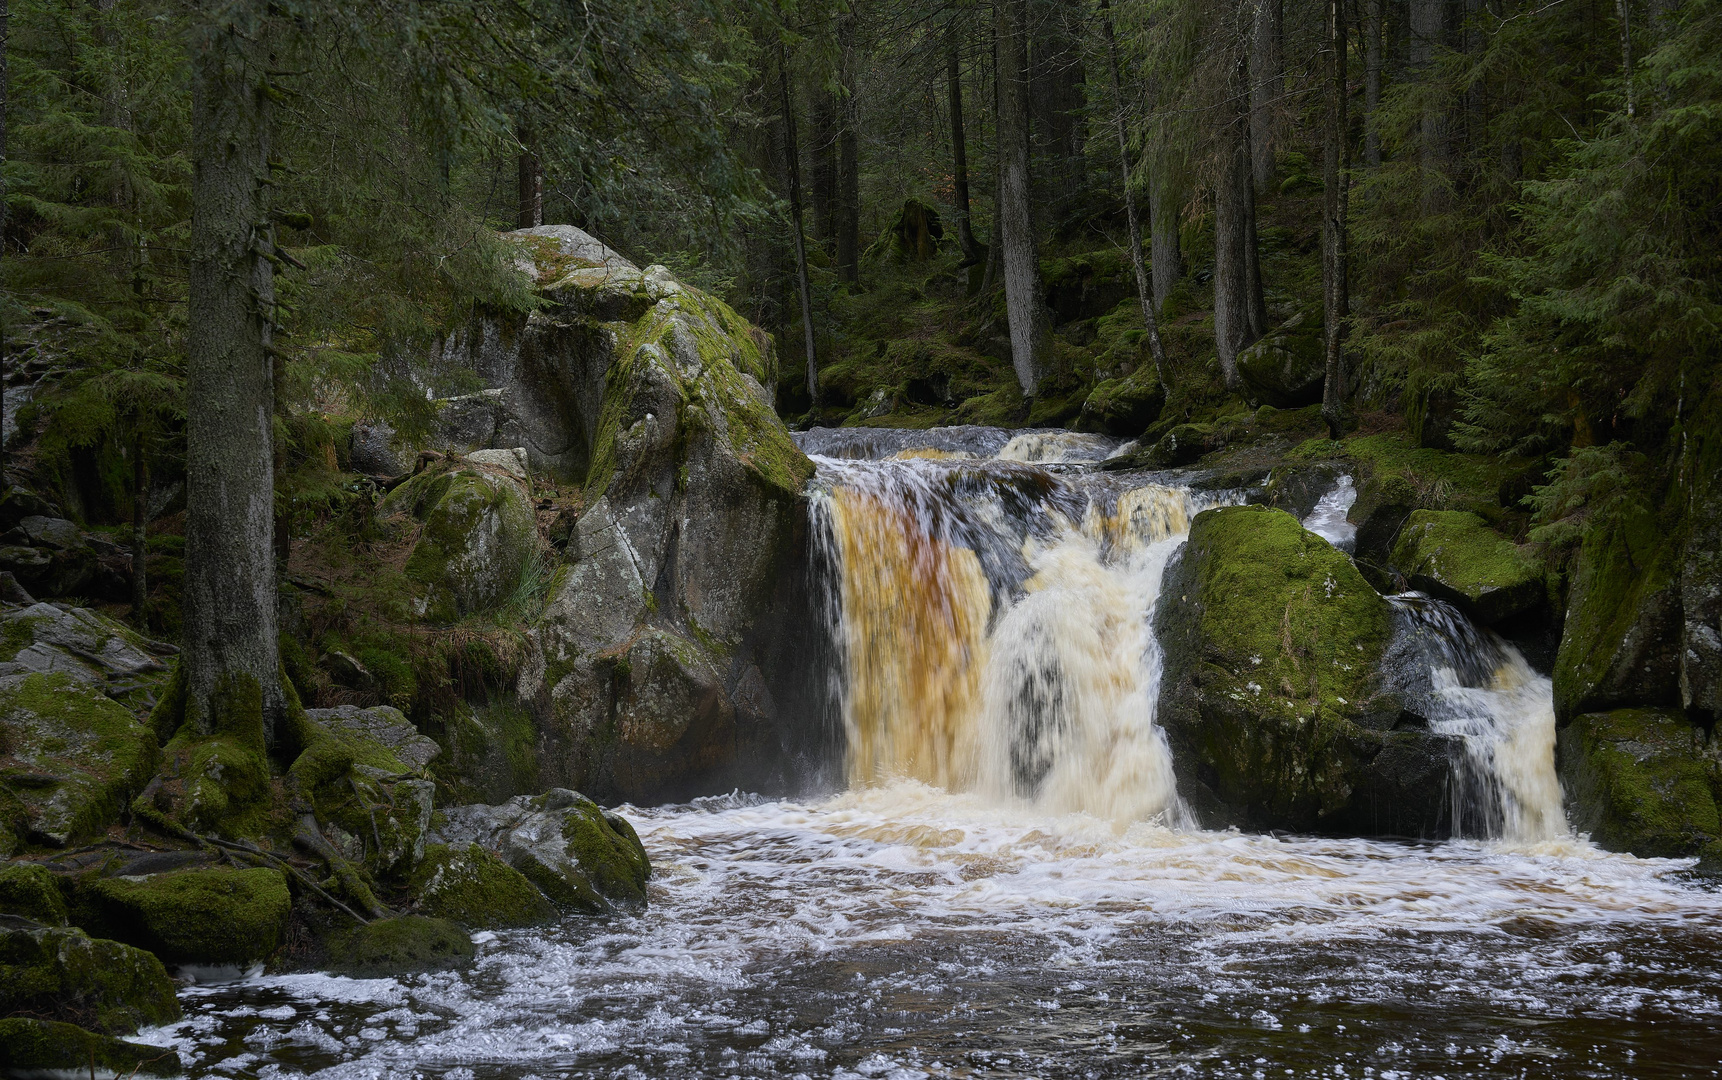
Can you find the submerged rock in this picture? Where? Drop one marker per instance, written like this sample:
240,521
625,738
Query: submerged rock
31,1047
474,887
1639,780
1455,556
74,757
212,916
55,973
1272,698
578,854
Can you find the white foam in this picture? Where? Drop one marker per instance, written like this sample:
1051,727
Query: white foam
1328,519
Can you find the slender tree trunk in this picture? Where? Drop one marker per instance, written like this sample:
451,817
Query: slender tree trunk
1165,257
1023,305
529,186
5,104
792,172
1144,285
1372,81
822,164
1623,15
1239,310
848,161
1054,73
231,655
1336,165
1427,31
960,151
140,529
1267,82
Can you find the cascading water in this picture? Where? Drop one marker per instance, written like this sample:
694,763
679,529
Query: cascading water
994,625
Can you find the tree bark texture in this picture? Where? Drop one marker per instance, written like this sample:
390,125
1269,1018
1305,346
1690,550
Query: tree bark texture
5,103
1166,258
1267,83
1372,29
1239,309
822,164
1144,285
1051,36
231,654
140,528
792,173
848,161
1023,302
1428,28
960,154
1335,170
529,185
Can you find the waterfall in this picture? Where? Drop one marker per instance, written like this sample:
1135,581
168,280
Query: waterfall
993,624
1470,684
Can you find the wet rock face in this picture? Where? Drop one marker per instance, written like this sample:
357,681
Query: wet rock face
472,886
1271,696
65,975
1455,556
1639,780
579,855
30,1047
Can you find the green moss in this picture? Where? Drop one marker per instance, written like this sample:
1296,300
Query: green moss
475,888
403,944
607,849
28,891
222,785
211,916
1638,780
1457,557
30,1047
64,974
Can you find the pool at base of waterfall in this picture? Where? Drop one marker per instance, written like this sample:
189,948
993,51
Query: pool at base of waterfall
902,932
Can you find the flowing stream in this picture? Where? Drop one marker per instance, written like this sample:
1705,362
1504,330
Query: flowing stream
1008,885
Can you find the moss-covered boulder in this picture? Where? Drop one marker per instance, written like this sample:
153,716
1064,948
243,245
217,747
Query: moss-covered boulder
31,1047
1639,780
477,536
1286,368
1272,698
1455,556
474,887
216,784
372,806
54,973
1124,407
70,758
28,891
1620,644
402,944
581,856
212,916
87,646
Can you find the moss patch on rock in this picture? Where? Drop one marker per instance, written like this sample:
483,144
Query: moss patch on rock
1455,556
64,974
30,1047
475,888
403,944
212,916
1638,780
28,891
478,535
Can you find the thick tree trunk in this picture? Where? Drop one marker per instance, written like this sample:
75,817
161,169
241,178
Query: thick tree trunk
1372,81
1335,167
792,173
1023,304
1165,256
529,187
960,152
1267,82
1144,285
1428,28
230,655
140,529
1239,310
848,161
1051,35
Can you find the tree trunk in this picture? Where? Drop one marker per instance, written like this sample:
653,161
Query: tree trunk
960,151
1239,310
140,529
1335,167
231,655
5,104
1428,29
1144,285
1051,43
822,164
1623,15
792,173
848,161
1266,84
1372,81
530,188
1165,257
1023,306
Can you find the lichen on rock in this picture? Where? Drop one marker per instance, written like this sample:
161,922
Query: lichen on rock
477,536
1639,780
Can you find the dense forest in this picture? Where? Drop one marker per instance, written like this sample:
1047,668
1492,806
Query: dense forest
408,408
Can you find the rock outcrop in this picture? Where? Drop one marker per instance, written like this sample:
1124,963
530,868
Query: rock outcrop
1455,556
471,885
1272,697
62,974
1286,367
209,916
1640,780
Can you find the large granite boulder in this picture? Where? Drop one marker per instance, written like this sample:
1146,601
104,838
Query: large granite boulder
1124,407
471,885
55,973
1639,780
1286,368
1272,697
50,556
576,853
1456,557
31,1047
70,757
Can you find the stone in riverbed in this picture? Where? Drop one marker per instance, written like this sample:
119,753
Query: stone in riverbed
578,854
402,944
31,1047
64,974
212,916
474,887
1639,780
27,890
1456,557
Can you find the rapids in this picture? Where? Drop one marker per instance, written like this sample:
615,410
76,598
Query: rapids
1008,885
